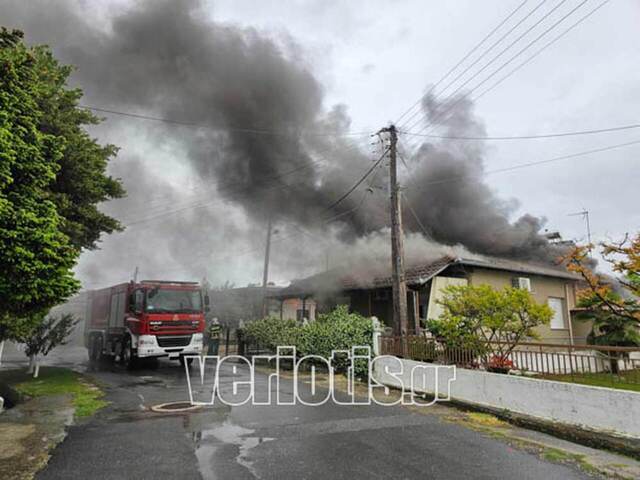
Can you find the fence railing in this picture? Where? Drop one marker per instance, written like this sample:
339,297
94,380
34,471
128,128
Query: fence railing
620,364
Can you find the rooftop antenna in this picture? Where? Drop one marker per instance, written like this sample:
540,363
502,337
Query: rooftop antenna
585,216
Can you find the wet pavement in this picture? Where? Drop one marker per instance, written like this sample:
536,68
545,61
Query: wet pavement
127,440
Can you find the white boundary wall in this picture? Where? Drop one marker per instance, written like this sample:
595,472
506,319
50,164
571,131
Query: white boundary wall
595,408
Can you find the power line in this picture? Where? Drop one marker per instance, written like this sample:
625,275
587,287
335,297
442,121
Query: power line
207,190
267,186
231,129
547,45
197,204
527,137
357,184
488,50
469,53
362,199
530,164
520,52
231,185
424,229
492,61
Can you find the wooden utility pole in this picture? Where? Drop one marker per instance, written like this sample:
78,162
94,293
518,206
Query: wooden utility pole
265,273
397,246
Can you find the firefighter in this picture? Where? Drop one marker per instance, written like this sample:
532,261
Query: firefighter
213,332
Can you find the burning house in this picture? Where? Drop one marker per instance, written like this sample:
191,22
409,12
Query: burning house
372,295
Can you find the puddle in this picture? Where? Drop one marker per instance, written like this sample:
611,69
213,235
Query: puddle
208,441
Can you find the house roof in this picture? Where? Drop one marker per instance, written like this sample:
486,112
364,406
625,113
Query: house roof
515,266
342,279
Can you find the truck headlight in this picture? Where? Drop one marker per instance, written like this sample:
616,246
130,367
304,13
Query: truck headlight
197,338
146,340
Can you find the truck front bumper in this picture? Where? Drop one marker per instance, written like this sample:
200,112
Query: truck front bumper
148,346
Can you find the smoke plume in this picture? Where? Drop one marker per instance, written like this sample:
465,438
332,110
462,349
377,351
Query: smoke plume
261,142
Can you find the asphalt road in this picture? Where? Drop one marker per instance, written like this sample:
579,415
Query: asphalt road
127,440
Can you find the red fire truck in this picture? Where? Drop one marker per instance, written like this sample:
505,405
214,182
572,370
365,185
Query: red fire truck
149,319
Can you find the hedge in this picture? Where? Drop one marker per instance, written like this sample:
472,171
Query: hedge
336,330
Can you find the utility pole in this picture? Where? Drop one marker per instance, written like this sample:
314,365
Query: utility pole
265,273
397,246
135,275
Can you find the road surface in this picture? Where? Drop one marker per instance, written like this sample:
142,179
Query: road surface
127,440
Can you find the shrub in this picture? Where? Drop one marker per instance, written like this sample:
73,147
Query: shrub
336,330
272,332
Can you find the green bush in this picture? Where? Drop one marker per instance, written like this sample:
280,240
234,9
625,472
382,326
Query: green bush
272,332
336,330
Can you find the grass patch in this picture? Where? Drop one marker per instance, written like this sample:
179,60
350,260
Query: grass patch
87,398
555,455
486,420
625,381
560,456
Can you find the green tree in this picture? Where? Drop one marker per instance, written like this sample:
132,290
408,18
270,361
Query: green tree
487,322
52,176
81,182
37,257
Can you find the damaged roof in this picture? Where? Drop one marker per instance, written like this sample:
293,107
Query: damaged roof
341,279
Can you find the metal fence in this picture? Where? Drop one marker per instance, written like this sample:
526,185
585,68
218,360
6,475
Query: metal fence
595,362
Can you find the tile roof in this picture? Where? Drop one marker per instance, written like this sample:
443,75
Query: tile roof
341,279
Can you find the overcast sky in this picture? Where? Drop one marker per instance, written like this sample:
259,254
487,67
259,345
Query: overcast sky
377,58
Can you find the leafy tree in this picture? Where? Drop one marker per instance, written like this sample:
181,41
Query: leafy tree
615,313
48,333
81,182
487,322
52,176
37,257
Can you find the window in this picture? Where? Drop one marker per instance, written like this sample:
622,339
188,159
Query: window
165,300
558,320
138,300
523,283
302,314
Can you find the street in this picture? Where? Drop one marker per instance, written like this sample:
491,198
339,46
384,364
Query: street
221,442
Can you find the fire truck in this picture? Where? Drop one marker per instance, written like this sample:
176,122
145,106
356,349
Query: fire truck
148,319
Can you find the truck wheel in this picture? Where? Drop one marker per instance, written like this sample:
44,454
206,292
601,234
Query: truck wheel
95,349
128,356
91,352
182,360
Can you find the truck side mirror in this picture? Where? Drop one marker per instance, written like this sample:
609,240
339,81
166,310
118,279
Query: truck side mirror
207,308
132,303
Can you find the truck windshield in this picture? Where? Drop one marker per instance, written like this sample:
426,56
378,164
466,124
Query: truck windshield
162,300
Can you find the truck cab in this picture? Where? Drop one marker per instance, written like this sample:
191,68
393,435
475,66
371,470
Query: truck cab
149,319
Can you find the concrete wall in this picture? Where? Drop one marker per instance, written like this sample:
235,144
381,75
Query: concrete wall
595,408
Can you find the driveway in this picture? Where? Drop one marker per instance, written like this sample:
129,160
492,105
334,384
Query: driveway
127,440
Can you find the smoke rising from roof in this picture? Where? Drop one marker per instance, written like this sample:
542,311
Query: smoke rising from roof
164,58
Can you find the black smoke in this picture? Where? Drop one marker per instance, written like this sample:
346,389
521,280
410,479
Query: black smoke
261,139
451,197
